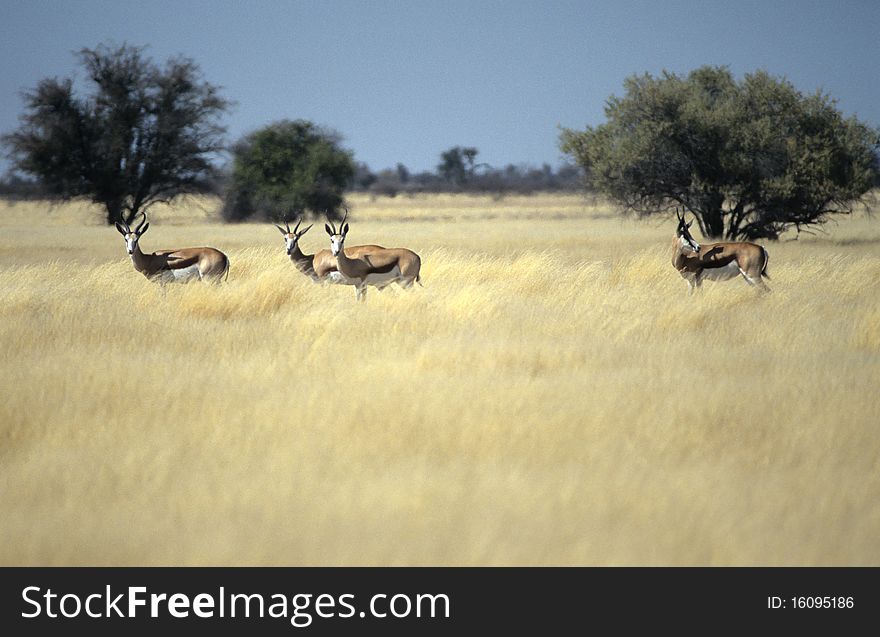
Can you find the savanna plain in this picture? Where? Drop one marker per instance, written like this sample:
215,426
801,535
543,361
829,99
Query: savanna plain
552,396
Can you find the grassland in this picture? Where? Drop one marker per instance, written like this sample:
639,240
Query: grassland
552,396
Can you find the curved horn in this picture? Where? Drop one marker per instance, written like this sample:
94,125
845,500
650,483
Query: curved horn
296,227
142,223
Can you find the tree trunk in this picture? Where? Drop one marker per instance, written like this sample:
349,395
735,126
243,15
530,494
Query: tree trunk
114,212
733,223
711,214
713,223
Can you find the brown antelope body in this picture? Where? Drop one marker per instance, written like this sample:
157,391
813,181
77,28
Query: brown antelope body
320,266
379,268
166,266
717,261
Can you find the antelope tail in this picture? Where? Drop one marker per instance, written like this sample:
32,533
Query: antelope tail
419,280
227,269
766,261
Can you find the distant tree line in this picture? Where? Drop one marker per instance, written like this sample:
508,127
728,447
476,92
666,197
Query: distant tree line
747,158
389,182
458,171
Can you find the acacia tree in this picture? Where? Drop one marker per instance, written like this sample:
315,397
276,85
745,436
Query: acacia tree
749,159
143,135
285,169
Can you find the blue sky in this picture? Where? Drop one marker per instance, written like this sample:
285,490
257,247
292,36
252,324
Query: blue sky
403,81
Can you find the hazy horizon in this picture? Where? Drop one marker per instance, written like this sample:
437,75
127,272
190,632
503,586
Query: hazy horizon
401,82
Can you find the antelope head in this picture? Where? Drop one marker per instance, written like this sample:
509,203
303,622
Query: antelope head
132,236
337,237
292,237
684,235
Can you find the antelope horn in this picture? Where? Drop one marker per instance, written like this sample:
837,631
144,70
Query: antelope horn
141,224
296,227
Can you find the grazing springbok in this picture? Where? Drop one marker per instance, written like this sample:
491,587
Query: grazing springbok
717,261
379,268
165,266
320,266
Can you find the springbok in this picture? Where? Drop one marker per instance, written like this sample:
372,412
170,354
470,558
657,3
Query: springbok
379,268
165,266
320,266
717,261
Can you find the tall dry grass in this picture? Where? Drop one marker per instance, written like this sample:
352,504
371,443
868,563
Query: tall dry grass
552,396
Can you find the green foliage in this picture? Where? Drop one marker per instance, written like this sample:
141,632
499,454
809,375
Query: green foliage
286,169
749,159
144,134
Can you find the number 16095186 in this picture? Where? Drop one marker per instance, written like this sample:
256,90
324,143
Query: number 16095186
810,601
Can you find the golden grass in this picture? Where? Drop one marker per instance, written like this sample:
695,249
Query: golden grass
552,396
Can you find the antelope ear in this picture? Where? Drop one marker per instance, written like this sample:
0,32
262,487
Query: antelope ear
304,231
345,229
121,229
688,225
280,229
144,229
327,228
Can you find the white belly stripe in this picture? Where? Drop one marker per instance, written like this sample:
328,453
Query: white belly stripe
378,278
185,274
337,278
729,271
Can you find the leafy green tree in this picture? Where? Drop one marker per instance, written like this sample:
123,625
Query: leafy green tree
287,169
749,159
144,134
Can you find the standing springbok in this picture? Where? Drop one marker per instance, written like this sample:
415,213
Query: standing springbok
173,265
320,266
379,268
717,261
